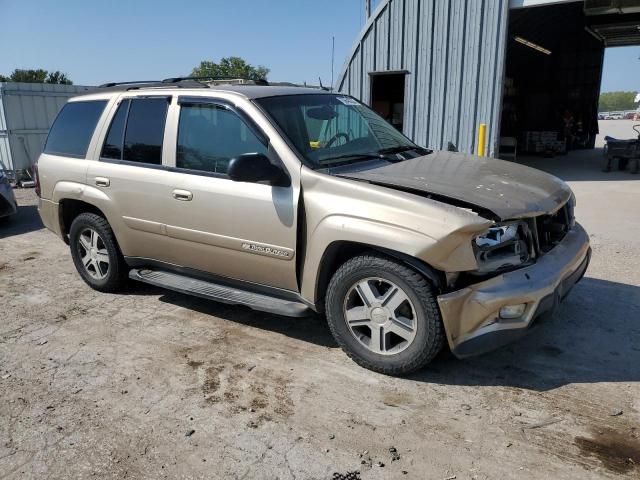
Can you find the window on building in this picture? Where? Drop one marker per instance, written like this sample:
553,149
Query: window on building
209,136
72,130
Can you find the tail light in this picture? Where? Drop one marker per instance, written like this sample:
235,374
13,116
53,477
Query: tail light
36,178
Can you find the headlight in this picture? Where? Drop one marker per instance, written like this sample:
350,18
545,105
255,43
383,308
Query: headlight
502,246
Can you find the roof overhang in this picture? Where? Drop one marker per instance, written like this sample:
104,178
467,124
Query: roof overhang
606,7
615,22
616,33
537,3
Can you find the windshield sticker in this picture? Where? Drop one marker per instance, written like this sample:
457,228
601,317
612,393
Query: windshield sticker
348,101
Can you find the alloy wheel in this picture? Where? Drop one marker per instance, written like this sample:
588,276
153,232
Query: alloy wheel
93,254
380,315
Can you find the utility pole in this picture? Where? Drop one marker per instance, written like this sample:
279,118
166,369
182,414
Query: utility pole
333,50
367,9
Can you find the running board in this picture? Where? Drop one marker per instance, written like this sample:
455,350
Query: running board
220,293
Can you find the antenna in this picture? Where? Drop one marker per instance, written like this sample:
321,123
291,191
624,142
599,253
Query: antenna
333,50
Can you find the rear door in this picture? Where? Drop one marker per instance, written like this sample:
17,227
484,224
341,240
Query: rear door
129,179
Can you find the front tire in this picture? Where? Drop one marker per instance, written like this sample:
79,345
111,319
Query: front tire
384,315
96,254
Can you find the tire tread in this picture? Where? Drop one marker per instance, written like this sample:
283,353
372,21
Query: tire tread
118,280
423,289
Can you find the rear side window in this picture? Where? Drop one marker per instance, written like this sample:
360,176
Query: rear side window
113,144
71,133
137,131
209,136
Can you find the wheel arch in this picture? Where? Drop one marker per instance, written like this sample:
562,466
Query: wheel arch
68,211
74,198
338,252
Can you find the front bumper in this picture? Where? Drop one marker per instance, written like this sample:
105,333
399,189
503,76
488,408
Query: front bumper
471,315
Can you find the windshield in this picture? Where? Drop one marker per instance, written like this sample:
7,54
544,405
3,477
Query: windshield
334,130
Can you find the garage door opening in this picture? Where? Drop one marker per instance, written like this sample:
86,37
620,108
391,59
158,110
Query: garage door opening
553,73
387,96
552,83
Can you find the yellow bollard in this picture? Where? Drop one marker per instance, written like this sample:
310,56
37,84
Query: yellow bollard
482,140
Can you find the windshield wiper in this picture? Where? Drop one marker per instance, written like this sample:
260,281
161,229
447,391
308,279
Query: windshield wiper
379,155
350,156
400,149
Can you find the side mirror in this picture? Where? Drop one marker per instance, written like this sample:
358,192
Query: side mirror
256,167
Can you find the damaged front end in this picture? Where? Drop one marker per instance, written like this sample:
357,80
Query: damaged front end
528,257
514,244
525,268
505,246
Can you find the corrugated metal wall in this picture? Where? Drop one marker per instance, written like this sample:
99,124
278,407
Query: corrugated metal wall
27,110
5,150
454,54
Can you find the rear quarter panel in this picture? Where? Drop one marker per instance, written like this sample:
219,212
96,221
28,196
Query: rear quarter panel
63,177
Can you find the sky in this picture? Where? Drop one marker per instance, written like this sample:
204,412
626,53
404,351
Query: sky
95,42
118,40
621,70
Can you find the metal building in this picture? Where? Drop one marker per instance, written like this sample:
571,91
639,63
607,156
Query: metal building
27,110
436,69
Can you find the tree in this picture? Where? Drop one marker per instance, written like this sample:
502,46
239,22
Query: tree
614,101
58,78
230,67
28,76
37,76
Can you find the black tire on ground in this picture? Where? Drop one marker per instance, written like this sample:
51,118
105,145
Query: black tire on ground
429,337
116,275
622,164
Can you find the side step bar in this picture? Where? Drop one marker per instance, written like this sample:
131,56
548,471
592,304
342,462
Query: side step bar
220,293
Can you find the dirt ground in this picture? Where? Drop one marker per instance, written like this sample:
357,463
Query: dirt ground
154,384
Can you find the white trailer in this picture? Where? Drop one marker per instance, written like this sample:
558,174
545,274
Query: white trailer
27,110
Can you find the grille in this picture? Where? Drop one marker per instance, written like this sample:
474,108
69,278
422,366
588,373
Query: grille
551,229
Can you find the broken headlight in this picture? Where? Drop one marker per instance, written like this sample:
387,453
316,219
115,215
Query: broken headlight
501,247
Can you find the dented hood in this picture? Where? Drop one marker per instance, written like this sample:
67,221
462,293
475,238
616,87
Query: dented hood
507,189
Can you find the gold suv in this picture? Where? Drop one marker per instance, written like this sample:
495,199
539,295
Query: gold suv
289,200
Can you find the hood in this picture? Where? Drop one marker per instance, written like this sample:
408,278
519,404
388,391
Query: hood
507,189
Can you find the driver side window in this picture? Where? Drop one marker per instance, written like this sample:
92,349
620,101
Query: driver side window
209,136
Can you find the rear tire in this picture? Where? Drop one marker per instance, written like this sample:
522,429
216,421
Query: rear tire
396,327
96,254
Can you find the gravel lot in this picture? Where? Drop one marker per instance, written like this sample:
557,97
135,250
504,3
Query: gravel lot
155,384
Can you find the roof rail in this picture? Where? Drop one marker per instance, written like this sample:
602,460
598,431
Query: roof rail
152,84
114,84
213,78
179,82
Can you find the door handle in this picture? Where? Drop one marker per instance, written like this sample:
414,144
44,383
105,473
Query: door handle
184,195
102,182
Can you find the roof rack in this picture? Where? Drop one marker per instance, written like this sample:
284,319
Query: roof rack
182,82
215,78
152,84
114,84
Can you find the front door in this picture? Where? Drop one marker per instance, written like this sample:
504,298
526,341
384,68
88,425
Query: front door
244,231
